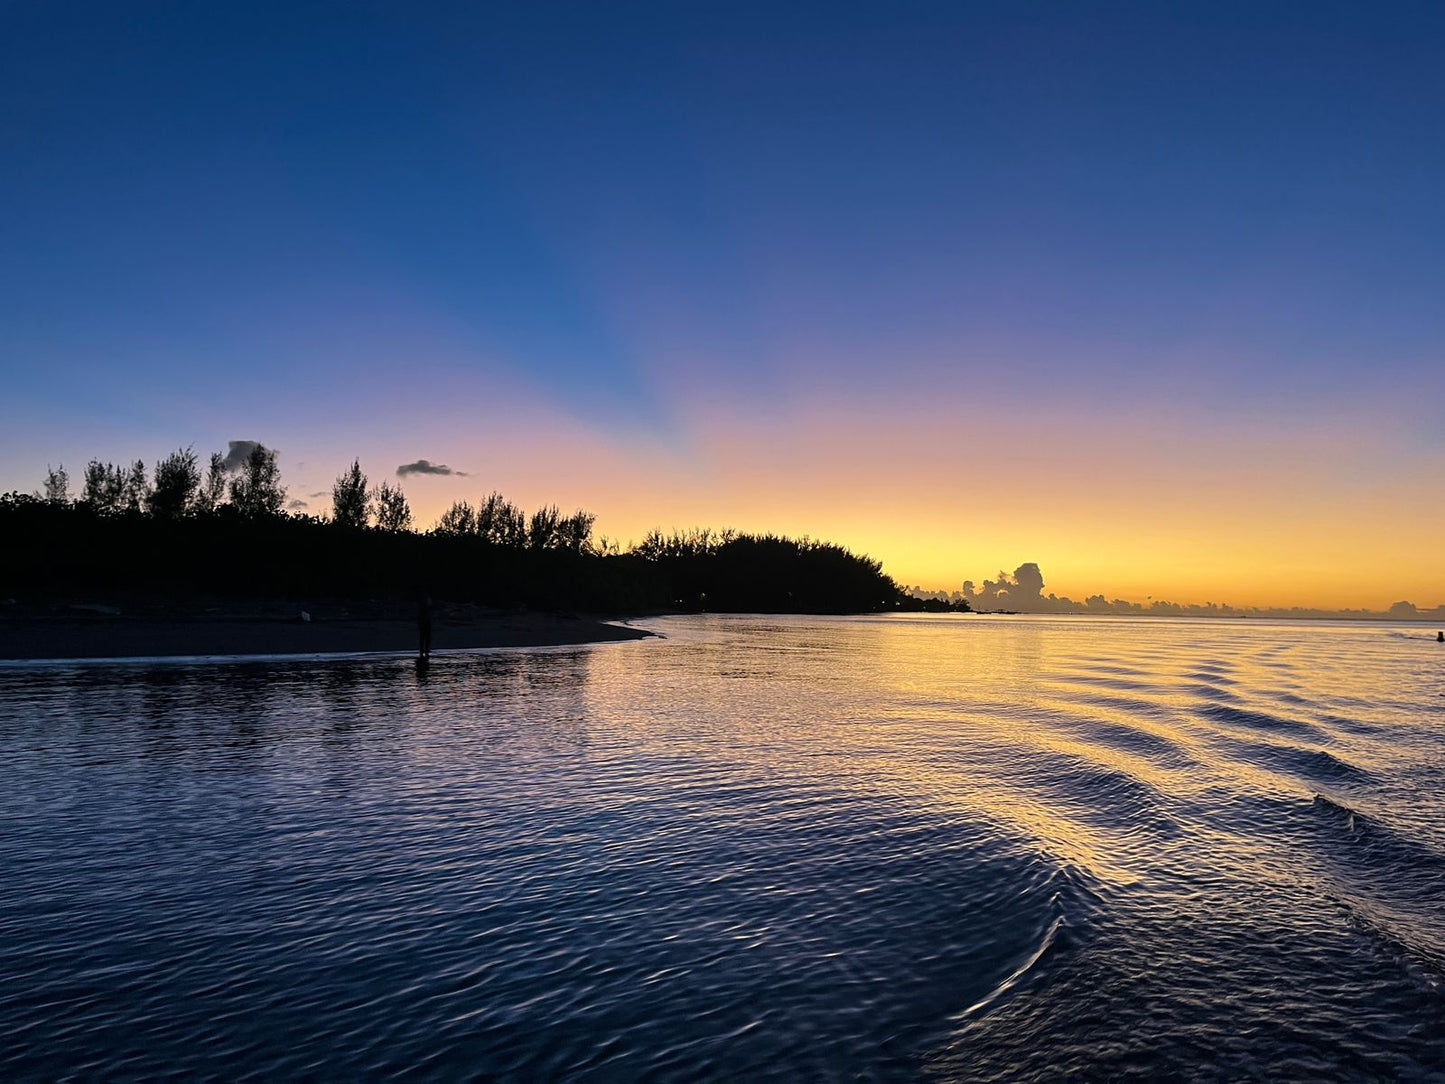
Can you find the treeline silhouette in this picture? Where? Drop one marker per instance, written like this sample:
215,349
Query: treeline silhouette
180,532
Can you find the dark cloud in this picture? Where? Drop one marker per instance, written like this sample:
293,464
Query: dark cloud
297,504
237,452
1023,591
319,493
426,466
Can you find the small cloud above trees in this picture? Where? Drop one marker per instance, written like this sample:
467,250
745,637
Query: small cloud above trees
297,504
238,454
426,466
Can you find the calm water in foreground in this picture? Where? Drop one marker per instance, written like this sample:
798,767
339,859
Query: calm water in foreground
950,847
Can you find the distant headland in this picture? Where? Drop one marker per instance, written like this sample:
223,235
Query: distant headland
1022,591
194,543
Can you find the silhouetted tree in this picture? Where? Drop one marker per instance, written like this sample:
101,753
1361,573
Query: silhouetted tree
57,485
501,522
491,553
137,489
575,532
460,520
498,522
542,528
177,478
214,490
724,571
392,511
257,490
696,542
350,500
104,487
651,546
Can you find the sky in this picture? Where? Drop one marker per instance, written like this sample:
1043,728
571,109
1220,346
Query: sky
1150,294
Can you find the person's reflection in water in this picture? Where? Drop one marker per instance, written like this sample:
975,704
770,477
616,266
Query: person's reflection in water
423,625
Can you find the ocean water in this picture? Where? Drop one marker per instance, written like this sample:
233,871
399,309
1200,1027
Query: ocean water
939,848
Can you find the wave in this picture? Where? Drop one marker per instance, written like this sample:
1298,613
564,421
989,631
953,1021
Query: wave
1388,880
1046,943
1260,720
1309,764
1152,743
1384,854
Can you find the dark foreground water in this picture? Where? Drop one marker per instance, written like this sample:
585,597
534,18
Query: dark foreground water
962,848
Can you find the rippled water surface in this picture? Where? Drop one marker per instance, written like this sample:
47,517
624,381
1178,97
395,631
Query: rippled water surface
934,847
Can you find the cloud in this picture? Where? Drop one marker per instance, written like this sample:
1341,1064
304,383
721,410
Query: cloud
1023,591
297,504
319,493
426,466
237,452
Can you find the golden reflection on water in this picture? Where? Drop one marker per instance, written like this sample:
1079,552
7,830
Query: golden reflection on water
1021,721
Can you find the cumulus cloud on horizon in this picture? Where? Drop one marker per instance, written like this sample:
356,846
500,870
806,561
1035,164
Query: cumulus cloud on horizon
297,504
1022,591
426,466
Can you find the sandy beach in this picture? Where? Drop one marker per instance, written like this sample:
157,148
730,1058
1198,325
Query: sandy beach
96,631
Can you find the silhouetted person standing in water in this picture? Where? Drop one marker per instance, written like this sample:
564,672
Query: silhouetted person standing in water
423,625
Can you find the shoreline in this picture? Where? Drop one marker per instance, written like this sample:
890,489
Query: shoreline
106,635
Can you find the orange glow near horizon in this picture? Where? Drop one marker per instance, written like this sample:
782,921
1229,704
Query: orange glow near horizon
1321,511
1275,516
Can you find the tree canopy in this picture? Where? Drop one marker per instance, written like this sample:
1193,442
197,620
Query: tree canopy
229,532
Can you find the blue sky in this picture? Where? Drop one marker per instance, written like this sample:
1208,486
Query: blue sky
349,228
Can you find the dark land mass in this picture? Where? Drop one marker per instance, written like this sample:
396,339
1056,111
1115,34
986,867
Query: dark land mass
99,630
76,582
